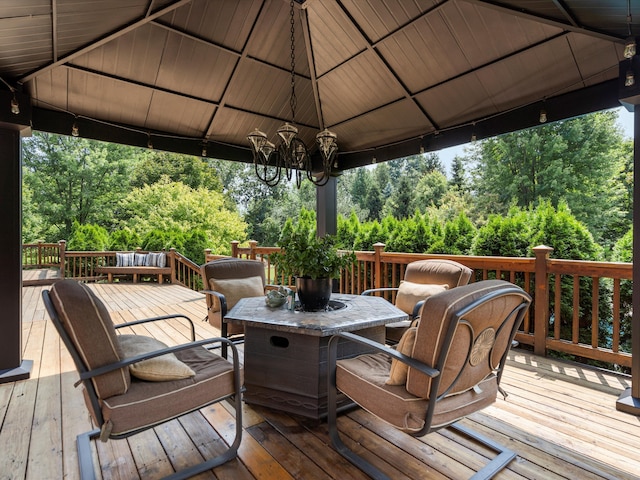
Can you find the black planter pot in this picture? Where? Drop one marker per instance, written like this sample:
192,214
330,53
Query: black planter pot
314,293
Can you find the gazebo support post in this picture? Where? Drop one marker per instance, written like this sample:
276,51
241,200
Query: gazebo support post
12,127
629,401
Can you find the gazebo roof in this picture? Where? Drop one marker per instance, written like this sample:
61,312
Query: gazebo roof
388,76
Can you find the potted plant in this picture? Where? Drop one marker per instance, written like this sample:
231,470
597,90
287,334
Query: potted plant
314,262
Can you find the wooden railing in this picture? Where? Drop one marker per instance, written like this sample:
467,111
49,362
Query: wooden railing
573,301
43,255
552,283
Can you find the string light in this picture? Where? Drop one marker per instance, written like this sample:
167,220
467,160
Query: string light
204,149
74,129
149,144
15,106
543,116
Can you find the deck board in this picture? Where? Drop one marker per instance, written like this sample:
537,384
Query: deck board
559,417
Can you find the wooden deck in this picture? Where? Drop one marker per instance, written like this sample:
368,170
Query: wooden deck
560,418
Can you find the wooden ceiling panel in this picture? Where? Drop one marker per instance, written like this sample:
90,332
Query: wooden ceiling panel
382,70
385,125
195,68
135,56
377,18
597,61
223,23
232,126
361,85
457,102
334,38
270,95
25,42
270,40
525,78
107,99
189,117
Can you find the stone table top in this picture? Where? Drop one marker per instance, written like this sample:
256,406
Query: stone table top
360,312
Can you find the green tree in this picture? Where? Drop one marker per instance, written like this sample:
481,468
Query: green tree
572,160
173,206
193,171
88,237
74,179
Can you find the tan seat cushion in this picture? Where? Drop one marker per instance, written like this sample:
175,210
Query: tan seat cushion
234,289
87,321
410,293
399,370
363,379
157,369
147,403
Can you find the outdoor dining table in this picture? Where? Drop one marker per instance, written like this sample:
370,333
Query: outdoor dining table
285,351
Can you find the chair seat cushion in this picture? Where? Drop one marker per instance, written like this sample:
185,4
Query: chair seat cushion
147,403
156,369
363,379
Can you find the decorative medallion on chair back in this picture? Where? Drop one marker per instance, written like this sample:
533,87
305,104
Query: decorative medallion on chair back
88,324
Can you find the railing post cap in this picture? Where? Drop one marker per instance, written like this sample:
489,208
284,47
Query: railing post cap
235,241
542,248
379,244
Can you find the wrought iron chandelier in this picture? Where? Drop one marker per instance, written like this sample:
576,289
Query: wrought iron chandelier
291,153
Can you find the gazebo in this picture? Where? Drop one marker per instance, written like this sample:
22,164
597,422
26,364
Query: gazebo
390,78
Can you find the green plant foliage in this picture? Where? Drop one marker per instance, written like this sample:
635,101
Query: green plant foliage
163,209
458,235
88,237
304,254
558,228
508,236
124,239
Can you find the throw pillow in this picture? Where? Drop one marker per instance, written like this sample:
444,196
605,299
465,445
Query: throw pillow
140,259
399,370
234,289
156,259
410,293
157,369
124,259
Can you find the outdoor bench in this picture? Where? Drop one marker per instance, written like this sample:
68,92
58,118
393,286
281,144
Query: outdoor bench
137,264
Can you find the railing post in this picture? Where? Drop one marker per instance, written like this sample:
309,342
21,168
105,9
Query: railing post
378,248
541,300
234,248
62,250
253,244
207,252
39,262
172,264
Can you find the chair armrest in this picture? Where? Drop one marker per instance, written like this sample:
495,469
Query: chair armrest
221,298
156,353
379,347
416,309
162,317
384,289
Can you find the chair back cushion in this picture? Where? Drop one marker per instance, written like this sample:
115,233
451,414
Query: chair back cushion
478,340
88,324
438,272
410,293
235,278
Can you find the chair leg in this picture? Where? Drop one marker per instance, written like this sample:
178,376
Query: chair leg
85,458
332,415
498,463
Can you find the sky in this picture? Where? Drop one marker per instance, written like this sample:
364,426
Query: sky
446,155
